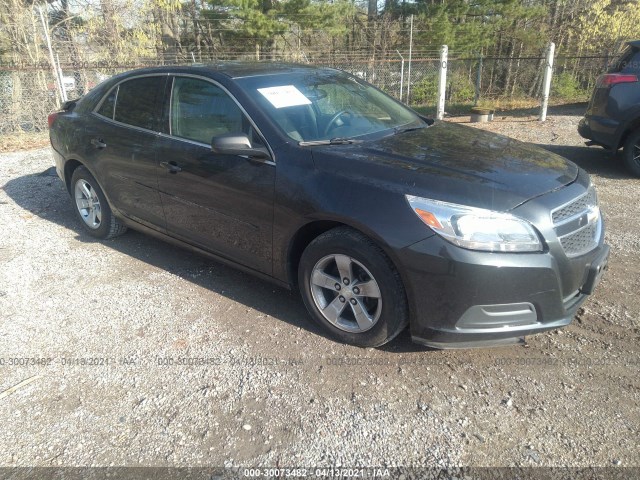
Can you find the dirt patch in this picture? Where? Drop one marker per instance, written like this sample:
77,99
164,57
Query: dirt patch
23,141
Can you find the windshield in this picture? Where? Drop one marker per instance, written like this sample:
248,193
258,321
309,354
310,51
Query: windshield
325,105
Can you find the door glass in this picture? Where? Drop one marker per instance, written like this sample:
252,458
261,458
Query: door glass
137,102
201,110
108,104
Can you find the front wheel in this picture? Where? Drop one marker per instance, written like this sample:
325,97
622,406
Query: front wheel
631,153
352,288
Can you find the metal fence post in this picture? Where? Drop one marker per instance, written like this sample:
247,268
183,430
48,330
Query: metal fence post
442,81
401,74
546,86
61,76
410,57
478,82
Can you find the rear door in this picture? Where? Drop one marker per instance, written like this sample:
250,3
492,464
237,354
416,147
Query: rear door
123,147
222,203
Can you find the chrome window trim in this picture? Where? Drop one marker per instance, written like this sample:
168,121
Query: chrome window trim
271,161
173,82
115,102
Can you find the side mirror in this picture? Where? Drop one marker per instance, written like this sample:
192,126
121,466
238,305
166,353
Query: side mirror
236,144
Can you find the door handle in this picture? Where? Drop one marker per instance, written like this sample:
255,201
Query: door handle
171,166
98,143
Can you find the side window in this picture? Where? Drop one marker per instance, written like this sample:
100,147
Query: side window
137,101
108,104
200,111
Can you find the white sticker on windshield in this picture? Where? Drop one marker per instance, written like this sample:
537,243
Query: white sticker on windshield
284,96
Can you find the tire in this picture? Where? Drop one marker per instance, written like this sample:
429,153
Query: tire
631,153
381,306
92,208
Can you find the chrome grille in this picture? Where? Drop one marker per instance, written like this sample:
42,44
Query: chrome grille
581,241
575,207
578,224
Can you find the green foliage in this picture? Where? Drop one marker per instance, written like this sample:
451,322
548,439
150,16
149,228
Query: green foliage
425,91
567,87
607,23
472,27
461,88
264,20
327,16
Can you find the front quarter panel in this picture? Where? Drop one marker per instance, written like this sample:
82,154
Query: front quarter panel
306,193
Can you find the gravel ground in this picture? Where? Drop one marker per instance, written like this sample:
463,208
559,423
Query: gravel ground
102,331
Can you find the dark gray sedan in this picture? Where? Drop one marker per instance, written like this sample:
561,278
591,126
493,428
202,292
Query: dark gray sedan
316,180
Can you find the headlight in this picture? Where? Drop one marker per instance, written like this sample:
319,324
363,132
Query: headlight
476,228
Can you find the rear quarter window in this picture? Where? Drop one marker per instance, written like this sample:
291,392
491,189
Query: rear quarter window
108,104
629,62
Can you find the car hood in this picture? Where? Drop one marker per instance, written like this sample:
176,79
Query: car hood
452,163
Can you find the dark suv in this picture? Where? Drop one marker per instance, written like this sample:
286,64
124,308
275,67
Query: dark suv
318,181
613,116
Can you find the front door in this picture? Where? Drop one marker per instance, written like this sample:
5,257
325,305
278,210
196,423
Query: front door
222,203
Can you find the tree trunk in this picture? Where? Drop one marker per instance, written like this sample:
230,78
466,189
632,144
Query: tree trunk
516,73
507,74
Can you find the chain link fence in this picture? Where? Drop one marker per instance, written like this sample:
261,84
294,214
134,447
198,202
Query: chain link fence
28,93
27,96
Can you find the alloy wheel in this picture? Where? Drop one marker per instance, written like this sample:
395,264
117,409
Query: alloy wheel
88,204
346,293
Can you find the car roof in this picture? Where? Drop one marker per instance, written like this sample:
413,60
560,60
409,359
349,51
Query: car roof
634,43
237,69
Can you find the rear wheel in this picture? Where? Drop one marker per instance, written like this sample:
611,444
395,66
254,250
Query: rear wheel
631,153
352,288
92,208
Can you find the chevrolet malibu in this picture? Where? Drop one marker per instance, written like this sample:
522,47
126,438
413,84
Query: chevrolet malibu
316,180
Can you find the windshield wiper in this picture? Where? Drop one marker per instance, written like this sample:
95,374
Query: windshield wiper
332,141
409,129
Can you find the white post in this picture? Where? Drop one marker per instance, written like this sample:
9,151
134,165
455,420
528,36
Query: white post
56,72
64,90
442,81
410,53
401,74
546,87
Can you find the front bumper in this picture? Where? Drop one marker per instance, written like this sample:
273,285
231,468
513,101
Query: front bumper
461,298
